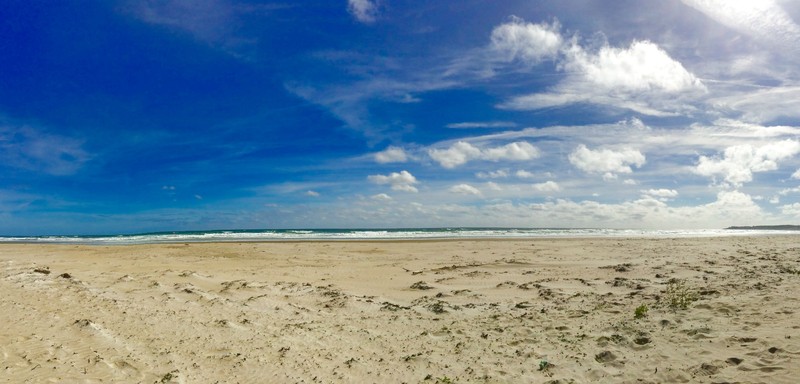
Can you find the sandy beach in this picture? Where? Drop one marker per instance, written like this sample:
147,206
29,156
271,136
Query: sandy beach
685,310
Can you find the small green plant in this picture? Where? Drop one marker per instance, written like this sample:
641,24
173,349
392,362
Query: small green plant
543,365
640,312
678,295
444,380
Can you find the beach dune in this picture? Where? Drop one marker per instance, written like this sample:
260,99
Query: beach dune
656,310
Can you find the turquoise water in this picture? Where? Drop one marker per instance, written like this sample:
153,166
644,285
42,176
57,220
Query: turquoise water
377,234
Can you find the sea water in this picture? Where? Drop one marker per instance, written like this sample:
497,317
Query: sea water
380,234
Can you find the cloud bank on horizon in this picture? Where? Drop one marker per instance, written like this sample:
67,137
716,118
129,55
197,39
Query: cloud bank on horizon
175,115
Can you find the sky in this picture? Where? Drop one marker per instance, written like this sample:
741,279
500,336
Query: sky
124,116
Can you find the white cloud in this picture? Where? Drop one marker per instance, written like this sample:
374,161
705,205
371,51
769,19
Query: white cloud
311,193
381,197
606,161
547,186
642,67
796,174
482,124
462,152
37,151
391,155
791,209
365,11
763,20
493,186
523,174
498,174
526,42
642,78
661,194
517,151
729,208
402,181
465,189
608,176
740,162
629,182
458,154
763,105
215,22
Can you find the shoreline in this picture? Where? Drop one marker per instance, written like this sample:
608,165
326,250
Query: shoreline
406,240
404,234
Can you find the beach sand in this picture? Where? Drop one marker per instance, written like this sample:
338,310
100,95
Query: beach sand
471,311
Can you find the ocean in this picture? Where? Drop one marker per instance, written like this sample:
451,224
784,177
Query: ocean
379,234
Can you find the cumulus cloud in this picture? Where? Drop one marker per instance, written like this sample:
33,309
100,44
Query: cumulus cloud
391,155
796,174
606,161
730,207
739,162
365,11
526,42
791,209
547,186
641,77
642,67
462,152
732,204
523,174
465,189
402,181
311,193
517,151
458,154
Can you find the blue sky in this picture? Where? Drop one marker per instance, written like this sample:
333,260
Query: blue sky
136,116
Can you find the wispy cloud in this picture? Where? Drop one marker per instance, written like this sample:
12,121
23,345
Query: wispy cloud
764,20
215,22
34,150
482,124
762,105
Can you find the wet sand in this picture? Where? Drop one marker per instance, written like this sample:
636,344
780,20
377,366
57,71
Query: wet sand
471,311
